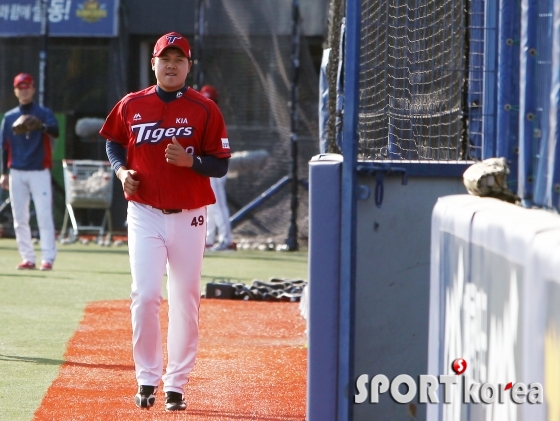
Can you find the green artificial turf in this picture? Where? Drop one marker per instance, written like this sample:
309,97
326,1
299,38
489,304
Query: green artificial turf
39,311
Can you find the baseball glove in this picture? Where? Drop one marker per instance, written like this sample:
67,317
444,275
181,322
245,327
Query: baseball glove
26,123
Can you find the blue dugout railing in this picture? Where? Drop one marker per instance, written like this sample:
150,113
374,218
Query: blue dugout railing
553,185
536,80
543,82
527,100
507,115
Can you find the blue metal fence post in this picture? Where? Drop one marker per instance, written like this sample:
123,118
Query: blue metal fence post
507,110
527,99
543,79
553,185
490,79
348,210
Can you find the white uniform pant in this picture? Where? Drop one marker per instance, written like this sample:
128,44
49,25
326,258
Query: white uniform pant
218,214
157,241
25,185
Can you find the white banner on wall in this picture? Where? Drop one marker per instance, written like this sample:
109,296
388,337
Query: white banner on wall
493,307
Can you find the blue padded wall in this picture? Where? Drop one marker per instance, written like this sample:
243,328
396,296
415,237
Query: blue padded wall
325,173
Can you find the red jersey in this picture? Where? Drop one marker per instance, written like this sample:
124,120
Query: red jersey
144,124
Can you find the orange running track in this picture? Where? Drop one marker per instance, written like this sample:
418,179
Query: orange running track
251,365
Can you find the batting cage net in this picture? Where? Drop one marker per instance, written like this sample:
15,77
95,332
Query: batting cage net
247,57
417,72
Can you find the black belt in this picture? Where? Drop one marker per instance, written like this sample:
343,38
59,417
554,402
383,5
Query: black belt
170,211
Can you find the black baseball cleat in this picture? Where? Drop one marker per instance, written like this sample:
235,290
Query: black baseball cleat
146,397
174,402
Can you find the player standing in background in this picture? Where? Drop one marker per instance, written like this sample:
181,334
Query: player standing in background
164,143
218,213
26,137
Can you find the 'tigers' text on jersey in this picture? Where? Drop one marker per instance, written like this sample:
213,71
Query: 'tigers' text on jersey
152,133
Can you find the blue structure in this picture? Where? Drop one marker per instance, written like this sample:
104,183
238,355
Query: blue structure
553,178
507,115
512,111
325,175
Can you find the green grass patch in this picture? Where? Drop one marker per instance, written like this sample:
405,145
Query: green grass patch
39,311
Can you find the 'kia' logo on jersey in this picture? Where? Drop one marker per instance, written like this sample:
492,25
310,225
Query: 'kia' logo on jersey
152,133
181,120
137,117
225,143
172,38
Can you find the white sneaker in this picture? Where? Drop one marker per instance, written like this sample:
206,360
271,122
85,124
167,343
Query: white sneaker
224,247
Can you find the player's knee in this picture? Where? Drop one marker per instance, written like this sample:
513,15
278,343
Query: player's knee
146,298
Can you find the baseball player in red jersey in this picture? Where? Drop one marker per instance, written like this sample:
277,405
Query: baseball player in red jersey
164,143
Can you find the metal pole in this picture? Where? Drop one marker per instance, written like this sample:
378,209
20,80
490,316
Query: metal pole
527,102
292,241
349,211
43,52
553,177
198,38
241,213
507,96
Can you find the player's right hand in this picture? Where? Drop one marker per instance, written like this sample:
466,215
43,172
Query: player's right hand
130,185
4,181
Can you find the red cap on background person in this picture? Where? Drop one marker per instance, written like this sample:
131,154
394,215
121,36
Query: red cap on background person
23,78
172,39
210,92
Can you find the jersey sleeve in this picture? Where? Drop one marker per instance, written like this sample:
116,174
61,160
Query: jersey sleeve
50,119
216,142
3,149
51,123
2,134
114,129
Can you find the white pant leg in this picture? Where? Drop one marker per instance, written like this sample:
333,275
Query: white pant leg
41,193
185,245
148,256
19,200
222,210
213,215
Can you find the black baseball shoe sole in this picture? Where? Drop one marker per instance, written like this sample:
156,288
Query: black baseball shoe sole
146,397
174,402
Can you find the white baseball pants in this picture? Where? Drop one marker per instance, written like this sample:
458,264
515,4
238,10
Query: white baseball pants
25,185
218,214
157,241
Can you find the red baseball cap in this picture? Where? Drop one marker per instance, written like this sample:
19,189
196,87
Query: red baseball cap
172,39
23,78
210,92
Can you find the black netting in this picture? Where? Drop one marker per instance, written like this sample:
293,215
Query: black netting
420,63
252,71
412,73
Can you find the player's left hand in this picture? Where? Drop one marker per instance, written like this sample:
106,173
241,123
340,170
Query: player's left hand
175,154
27,123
